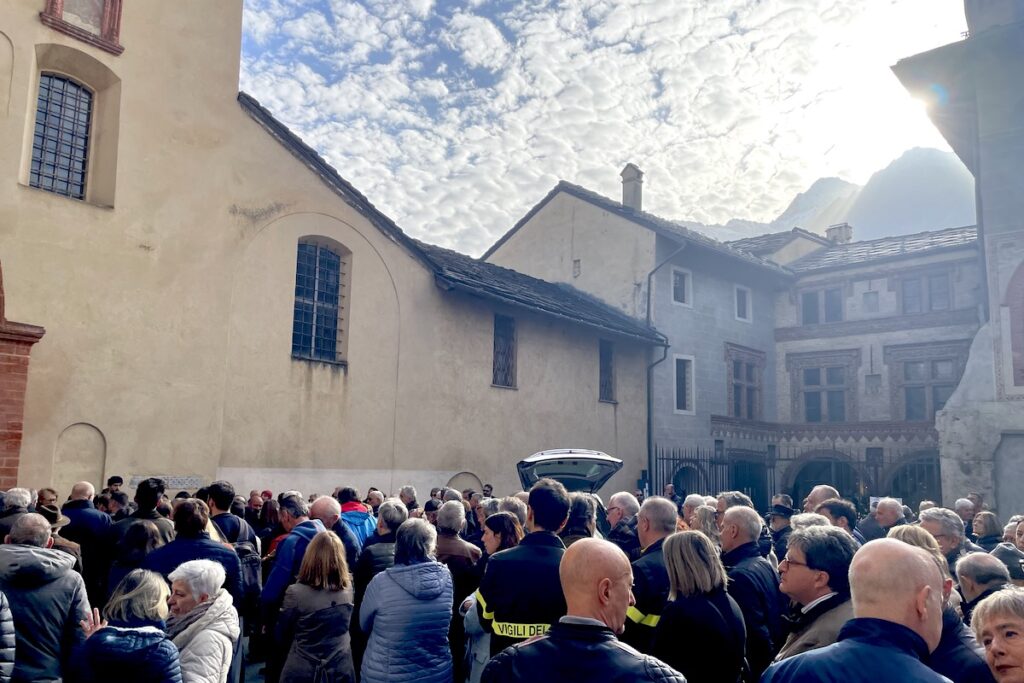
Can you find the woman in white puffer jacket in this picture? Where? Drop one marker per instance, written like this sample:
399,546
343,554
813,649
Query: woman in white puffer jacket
203,623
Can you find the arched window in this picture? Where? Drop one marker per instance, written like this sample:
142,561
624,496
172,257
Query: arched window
60,142
321,284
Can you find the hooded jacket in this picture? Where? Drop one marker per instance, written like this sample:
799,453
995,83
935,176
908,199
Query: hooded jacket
47,600
207,646
361,522
406,611
288,559
139,649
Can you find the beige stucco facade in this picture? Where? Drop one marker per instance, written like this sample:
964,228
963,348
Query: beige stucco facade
167,297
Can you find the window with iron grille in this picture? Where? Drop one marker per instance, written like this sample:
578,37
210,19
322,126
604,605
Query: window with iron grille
60,142
684,384
606,355
319,303
503,369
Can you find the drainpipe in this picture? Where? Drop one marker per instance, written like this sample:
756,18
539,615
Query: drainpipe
650,370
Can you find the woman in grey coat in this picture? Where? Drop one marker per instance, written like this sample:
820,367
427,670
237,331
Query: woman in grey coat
314,624
407,610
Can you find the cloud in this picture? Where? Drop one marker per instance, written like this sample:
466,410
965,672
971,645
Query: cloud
455,122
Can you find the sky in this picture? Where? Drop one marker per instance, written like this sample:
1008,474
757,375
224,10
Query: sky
455,118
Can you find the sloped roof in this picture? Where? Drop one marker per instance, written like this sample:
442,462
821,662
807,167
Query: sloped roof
511,287
769,243
662,226
455,270
886,248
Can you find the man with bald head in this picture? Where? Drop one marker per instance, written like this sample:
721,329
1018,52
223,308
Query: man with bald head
621,512
596,579
328,510
897,607
89,528
818,495
753,584
887,514
656,521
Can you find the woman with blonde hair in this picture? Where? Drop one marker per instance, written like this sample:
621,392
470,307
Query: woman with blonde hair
313,628
131,635
704,521
700,614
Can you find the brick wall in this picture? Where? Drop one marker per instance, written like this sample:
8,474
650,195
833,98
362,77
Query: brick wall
16,340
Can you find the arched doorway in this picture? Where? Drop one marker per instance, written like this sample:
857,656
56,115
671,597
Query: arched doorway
465,480
833,471
917,479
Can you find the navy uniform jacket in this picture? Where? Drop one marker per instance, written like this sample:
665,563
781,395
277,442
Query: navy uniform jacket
650,590
520,595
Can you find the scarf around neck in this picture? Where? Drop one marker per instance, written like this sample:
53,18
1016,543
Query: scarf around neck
176,624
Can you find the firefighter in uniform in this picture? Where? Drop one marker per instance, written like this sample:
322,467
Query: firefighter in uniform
656,521
520,595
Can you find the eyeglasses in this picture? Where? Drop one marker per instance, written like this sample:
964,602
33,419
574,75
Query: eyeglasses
788,562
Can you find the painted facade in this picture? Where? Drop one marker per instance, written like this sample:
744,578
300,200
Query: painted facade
168,293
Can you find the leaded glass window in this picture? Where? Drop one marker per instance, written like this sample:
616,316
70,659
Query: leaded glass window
606,371
503,368
316,330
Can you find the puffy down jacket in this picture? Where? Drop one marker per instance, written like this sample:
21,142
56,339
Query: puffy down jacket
406,611
140,650
207,645
7,640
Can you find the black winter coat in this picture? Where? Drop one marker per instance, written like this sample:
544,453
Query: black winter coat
703,637
7,640
139,649
958,656
754,584
577,652
624,536
650,590
377,555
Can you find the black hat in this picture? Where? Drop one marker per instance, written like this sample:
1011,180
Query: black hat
52,515
779,510
1008,554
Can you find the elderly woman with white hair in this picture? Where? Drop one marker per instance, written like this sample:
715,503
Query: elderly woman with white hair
406,611
998,623
203,622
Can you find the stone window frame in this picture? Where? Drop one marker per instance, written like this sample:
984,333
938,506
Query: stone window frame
109,37
688,302
690,388
505,351
606,371
341,306
735,353
897,355
796,363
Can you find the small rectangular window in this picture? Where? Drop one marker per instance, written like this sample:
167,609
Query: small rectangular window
751,403
812,406
681,280
737,369
834,376
870,302
833,305
743,304
737,400
812,377
938,292
606,371
915,403
503,369
912,296
684,385
837,406
809,308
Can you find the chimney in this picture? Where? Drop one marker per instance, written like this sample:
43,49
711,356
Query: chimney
840,233
632,187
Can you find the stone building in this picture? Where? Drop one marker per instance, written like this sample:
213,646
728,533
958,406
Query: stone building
793,358
974,94
219,302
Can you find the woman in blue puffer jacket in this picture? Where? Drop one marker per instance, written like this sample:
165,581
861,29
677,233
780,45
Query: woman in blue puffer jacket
406,611
131,638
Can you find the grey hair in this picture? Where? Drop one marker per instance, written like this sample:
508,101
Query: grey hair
295,506
962,503
515,506
746,519
627,501
1007,602
204,577
17,498
409,491
392,512
451,494
808,519
31,529
983,569
694,500
949,521
735,499
477,496
491,506
710,500
890,502
661,513
451,517
332,503
416,542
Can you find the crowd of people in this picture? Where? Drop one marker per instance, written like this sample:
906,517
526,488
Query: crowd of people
539,585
